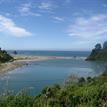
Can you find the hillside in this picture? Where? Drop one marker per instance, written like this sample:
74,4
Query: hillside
4,56
99,53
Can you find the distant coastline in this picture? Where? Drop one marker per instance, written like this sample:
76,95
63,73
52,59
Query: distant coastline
50,53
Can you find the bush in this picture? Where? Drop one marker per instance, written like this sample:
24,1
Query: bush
4,56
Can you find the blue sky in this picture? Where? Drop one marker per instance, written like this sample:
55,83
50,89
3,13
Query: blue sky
52,24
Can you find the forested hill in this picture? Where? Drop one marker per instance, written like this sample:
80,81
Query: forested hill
4,56
99,52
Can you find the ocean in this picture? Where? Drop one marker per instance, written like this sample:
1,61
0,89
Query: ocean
52,53
40,74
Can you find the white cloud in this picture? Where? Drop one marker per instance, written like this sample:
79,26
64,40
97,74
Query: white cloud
26,9
37,9
45,6
48,6
8,26
91,29
58,18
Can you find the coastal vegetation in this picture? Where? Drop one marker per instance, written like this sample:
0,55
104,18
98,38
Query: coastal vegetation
99,52
4,56
89,92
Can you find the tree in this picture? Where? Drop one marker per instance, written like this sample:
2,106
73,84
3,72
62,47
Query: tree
4,56
81,80
105,45
98,46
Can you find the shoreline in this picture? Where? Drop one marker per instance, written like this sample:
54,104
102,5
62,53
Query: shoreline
21,60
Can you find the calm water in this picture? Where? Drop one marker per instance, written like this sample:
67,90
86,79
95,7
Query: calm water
39,74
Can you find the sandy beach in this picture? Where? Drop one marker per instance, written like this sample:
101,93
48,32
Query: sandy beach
20,61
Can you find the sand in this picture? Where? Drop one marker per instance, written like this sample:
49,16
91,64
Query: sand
21,61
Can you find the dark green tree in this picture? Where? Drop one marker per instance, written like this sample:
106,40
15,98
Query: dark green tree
105,45
98,46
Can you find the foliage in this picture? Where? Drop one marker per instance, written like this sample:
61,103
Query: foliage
98,46
105,45
4,56
99,53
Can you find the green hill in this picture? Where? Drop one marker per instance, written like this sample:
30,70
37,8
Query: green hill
4,56
99,53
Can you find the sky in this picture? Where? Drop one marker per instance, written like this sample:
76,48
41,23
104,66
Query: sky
75,25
